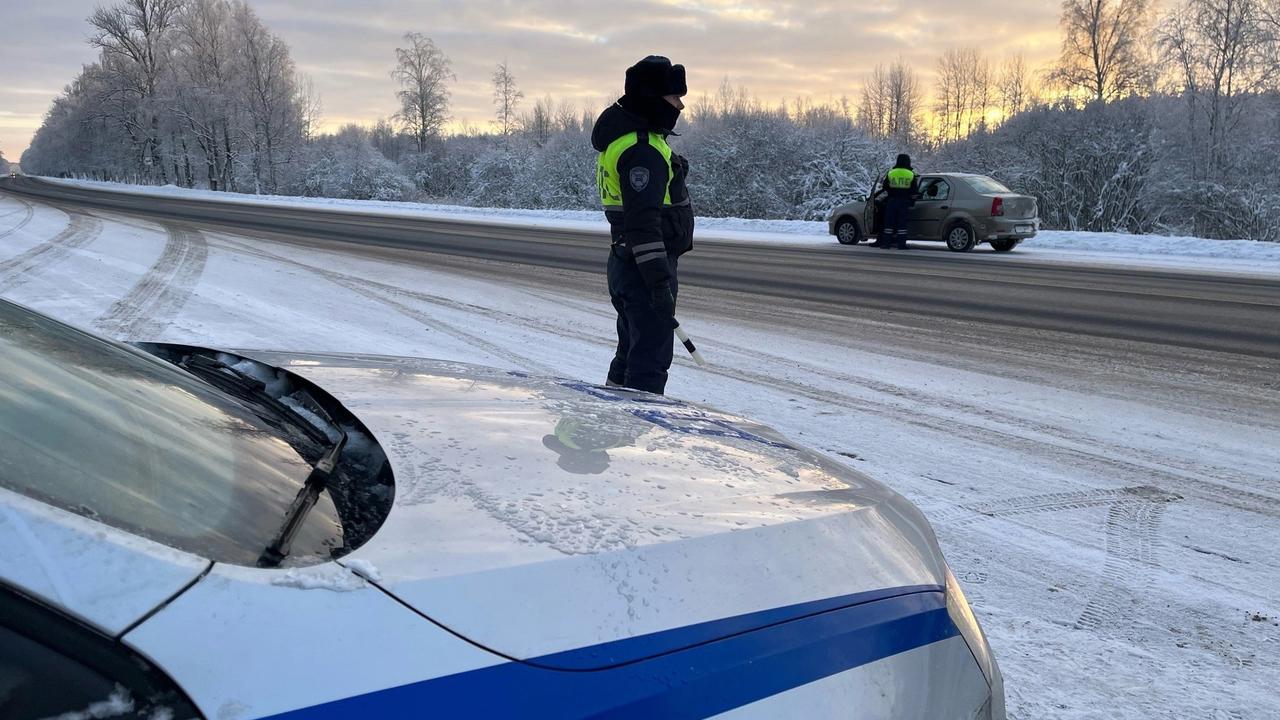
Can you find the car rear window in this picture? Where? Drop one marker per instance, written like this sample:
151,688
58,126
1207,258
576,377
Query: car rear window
986,185
108,432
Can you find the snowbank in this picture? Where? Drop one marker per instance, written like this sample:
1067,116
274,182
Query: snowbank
1050,246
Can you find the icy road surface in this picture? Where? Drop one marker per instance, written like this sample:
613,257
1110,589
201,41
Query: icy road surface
1113,510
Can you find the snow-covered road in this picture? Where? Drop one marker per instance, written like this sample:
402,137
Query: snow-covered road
1052,247
1112,509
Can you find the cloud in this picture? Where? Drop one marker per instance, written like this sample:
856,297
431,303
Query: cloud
574,49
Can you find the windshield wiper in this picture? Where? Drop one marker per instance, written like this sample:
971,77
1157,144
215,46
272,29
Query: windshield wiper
246,387
302,503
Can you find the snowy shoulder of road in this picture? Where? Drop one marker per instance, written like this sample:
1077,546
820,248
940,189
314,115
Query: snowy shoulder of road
1163,252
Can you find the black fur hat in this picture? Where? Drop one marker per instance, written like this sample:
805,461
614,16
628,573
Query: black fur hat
655,76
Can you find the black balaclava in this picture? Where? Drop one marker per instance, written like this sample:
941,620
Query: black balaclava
648,82
904,161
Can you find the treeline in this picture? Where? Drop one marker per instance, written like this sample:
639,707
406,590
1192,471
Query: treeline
1145,123
188,92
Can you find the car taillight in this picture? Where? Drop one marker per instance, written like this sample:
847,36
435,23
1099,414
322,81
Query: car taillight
997,207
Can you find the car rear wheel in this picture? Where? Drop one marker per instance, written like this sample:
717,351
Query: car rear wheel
847,232
1003,245
960,238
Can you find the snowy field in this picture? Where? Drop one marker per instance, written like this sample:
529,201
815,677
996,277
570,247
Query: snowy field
1053,246
1113,512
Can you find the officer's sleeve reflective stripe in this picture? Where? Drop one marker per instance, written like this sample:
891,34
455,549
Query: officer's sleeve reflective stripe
647,247
648,257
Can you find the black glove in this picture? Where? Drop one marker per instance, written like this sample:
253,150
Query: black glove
663,302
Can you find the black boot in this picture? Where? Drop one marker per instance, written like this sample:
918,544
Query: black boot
880,243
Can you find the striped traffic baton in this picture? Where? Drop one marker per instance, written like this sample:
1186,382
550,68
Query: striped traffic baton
688,344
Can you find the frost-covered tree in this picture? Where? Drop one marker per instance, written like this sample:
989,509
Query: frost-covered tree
423,71
1104,48
271,96
506,97
346,165
135,39
1222,57
196,92
539,123
202,98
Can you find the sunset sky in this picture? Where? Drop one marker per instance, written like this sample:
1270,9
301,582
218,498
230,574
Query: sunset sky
575,49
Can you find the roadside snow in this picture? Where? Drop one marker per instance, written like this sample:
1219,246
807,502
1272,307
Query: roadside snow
1051,246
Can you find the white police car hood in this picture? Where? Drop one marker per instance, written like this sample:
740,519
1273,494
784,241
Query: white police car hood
534,517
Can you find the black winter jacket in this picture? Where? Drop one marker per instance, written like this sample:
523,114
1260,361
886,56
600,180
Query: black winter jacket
644,220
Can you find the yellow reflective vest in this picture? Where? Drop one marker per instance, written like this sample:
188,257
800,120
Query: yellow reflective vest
901,179
610,181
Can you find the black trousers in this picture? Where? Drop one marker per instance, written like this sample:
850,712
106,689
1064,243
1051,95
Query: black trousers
645,340
897,212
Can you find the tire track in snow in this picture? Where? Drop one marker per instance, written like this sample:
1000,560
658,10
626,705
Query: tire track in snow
1011,507
381,293
29,212
1132,544
17,270
149,306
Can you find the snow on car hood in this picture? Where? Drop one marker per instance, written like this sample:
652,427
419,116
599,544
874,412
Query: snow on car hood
535,516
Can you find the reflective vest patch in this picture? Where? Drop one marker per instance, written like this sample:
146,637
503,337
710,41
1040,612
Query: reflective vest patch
610,182
901,178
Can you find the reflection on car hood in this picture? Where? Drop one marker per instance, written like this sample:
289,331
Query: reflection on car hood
534,515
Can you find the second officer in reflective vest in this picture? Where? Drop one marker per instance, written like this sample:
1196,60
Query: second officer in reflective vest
643,192
902,187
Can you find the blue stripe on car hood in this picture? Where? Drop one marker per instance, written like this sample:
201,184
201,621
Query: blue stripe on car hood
763,654
626,650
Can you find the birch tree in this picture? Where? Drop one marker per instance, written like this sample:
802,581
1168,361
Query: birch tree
1014,87
506,96
890,103
423,72
963,93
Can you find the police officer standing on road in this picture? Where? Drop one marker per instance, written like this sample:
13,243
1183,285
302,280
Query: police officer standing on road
901,186
642,188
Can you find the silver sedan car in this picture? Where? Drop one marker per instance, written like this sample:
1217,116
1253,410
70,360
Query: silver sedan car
959,209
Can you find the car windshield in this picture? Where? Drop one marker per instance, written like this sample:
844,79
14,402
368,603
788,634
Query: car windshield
986,185
108,432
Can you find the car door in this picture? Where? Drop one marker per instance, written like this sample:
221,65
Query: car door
932,207
872,213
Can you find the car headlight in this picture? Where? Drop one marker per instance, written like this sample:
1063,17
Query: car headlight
964,619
